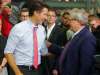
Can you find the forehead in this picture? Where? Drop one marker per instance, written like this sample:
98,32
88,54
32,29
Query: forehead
51,12
25,13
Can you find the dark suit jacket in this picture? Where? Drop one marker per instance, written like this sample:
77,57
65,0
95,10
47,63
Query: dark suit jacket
58,36
96,33
2,46
79,55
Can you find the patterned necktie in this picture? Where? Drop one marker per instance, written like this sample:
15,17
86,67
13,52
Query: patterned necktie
35,47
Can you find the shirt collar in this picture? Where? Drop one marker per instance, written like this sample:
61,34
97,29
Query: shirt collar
77,31
51,27
33,24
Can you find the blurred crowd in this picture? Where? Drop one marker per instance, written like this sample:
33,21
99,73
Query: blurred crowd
60,29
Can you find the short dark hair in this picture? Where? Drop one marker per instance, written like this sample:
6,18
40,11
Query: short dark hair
24,10
65,13
52,9
36,6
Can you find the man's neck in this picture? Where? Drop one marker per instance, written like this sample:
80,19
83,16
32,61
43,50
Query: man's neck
50,25
34,21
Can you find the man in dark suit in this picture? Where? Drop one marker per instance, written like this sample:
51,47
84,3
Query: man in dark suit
95,24
56,35
77,58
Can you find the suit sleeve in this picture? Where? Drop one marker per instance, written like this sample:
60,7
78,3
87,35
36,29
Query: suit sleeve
87,56
56,49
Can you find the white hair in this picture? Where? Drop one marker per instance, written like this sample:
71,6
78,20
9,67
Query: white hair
79,16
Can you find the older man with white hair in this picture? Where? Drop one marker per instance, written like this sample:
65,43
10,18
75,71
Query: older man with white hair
77,57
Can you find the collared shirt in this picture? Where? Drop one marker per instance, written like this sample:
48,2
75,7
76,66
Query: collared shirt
49,30
77,31
20,43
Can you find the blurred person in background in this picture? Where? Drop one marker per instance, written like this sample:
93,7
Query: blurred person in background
95,26
64,24
64,20
56,36
6,24
3,61
13,17
90,18
24,14
6,11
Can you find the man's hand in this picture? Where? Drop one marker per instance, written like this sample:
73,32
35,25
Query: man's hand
48,43
11,61
55,72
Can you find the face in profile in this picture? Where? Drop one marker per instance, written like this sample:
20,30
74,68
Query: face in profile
73,24
65,20
41,16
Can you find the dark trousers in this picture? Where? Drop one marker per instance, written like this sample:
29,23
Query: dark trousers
27,70
2,46
45,69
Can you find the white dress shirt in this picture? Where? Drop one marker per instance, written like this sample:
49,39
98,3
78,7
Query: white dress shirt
49,30
20,43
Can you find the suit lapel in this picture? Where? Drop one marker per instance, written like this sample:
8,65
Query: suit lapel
80,34
77,38
52,33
